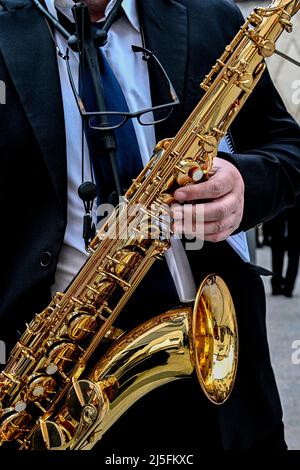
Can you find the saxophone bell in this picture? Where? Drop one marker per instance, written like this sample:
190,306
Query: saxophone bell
172,346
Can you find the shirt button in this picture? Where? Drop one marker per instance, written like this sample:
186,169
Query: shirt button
45,259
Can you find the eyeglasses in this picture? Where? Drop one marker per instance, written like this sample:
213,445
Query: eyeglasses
115,119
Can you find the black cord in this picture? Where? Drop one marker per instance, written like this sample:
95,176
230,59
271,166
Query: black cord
112,16
82,151
287,57
89,57
85,41
53,20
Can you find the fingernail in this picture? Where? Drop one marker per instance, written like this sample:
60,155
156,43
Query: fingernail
180,195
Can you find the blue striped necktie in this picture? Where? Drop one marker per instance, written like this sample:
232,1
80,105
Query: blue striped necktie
128,157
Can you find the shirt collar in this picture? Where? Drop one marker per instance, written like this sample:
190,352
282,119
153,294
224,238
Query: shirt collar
129,7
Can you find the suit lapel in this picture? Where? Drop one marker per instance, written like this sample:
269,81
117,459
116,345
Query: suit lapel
33,68
165,26
29,54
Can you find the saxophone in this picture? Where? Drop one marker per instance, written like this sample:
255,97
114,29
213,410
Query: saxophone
54,392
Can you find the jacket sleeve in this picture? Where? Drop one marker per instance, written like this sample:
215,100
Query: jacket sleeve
267,144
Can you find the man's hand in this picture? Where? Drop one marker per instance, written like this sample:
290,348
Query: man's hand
221,214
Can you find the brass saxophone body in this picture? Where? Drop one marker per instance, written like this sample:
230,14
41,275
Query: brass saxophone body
53,392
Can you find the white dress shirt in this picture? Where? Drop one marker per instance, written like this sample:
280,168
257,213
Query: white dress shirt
124,33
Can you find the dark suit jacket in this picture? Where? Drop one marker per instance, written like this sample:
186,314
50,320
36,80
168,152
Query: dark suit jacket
188,36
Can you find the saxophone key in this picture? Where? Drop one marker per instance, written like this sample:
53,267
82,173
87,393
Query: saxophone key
81,323
13,424
51,369
267,48
163,144
20,406
124,261
48,436
63,353
101,288
39,386
86,403
114,333
188,172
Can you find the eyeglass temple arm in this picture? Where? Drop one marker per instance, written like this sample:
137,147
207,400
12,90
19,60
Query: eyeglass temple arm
147,54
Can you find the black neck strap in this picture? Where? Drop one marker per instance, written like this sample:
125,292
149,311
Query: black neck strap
67,29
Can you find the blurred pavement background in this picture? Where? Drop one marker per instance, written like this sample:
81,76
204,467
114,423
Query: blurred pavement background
283,325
